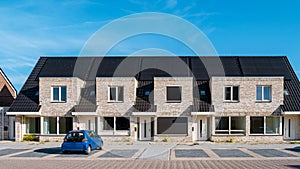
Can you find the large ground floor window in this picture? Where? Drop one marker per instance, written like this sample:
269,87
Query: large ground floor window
63,124
113,125
33,125
172,125
230,125
265,125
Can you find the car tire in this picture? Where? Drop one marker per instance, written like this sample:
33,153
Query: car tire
88,151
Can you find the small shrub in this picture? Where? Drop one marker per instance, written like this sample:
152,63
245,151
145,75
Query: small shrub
30,137
127,139
165,139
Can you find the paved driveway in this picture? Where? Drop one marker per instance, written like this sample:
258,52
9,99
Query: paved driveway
151,155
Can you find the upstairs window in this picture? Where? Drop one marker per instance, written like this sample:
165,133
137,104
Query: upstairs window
174,94
231,93
263,93
116,94
59,94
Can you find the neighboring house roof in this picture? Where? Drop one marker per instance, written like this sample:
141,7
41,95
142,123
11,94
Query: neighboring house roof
145,68
7,91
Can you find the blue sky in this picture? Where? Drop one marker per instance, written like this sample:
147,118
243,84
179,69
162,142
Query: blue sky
30,29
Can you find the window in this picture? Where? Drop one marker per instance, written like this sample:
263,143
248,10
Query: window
257,125
108,123
202,93
222,125
173,94
65,124
172,125
231,93
263,93
265,125
32,125
116,94
50,125
122,123
272,124
230,125
59,94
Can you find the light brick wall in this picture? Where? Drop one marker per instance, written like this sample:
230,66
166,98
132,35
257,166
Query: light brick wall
166,109
160,95
247,95
106,108
49,108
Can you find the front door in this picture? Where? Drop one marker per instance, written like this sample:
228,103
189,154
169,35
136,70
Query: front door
289,128
202,129
145,128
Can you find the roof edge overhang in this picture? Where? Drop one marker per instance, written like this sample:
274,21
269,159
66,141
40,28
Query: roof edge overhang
291,113
24,113
144,113
202,113
84,113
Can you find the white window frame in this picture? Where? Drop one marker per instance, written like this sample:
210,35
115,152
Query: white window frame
59,94
231,94
117,94
265,127
174,101
229,127
263,94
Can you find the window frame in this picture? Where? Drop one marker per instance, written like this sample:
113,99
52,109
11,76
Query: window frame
173,101
59,94
179,120
231,94
265,126
263,93
117,94
229,131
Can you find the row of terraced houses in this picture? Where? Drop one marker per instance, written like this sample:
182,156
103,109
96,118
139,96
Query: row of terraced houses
158,98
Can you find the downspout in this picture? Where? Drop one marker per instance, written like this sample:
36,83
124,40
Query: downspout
2,122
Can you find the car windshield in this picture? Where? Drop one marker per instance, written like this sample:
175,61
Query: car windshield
75,137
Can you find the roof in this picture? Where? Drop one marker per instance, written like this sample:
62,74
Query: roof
7,91
145,68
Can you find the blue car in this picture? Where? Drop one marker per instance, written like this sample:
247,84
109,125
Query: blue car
81,140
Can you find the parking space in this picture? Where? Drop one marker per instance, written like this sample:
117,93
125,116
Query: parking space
155,151
231,153
223,153
9,151
190,154
271,153
119,153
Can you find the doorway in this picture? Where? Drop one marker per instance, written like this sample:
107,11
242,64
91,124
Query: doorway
145,127
290,128
202,128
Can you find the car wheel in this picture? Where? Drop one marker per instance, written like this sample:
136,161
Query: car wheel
88,151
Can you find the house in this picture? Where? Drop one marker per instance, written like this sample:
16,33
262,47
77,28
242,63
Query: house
7,95
161,98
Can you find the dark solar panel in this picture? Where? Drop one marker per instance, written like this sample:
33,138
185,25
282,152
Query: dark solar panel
264,66
58,67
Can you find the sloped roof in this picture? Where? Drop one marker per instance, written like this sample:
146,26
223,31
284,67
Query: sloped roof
145,68
7,91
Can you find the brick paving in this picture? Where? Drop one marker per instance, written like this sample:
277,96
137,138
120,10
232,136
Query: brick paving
146,156
146,164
